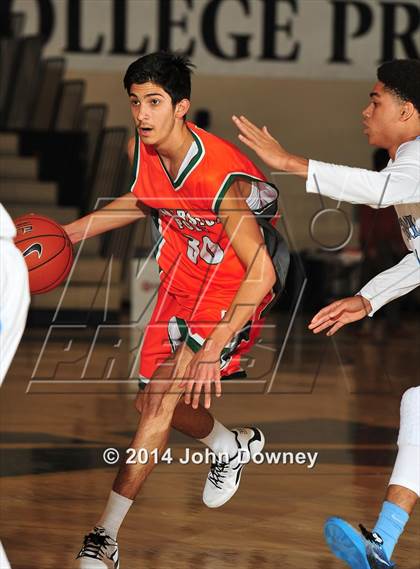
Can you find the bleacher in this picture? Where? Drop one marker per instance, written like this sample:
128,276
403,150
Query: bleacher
58,158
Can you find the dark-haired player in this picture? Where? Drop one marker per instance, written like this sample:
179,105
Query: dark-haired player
391,121
213,212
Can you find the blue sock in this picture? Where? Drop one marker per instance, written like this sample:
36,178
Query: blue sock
390,525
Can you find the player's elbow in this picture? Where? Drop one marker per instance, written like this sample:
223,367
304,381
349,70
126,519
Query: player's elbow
264,274
270,276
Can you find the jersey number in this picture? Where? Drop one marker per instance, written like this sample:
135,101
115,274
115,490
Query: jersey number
210,252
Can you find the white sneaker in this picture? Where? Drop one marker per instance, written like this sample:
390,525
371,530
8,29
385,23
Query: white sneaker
224,477
99,551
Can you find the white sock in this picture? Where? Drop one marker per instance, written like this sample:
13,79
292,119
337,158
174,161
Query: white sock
115,511
221,440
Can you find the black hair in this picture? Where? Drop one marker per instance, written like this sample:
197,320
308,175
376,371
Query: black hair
171,71
402,77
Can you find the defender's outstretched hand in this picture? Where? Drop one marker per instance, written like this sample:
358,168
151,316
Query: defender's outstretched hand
268,149
263,144
339,313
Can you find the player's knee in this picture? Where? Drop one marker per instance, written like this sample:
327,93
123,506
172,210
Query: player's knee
148,401
138,403
410,418
158,402
150,405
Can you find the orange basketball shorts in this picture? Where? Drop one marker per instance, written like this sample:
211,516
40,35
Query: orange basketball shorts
176,320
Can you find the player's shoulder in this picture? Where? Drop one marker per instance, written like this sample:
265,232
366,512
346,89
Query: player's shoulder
410,149
216,145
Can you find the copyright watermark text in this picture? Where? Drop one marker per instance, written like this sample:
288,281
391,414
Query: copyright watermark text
144,456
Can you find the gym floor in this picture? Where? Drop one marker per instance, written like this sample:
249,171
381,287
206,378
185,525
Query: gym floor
336,396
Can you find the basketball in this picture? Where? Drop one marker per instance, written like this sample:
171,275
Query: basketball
47,250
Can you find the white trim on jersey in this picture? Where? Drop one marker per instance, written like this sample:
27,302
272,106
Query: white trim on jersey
137,158
162,240
224,186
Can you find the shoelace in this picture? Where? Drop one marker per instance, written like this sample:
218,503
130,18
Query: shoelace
218,472
94,545
370,536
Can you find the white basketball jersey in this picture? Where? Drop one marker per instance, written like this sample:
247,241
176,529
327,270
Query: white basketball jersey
7,227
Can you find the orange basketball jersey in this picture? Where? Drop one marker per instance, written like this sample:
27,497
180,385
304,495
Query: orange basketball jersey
193,250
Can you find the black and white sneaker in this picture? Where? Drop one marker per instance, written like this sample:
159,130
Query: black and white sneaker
99,551
224,477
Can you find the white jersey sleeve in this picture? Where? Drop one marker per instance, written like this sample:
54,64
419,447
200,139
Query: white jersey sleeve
392,283
398,183
7,227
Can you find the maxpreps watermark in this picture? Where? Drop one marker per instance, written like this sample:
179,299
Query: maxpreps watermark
190,456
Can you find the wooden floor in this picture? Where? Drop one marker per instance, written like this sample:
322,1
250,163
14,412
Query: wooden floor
339,397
